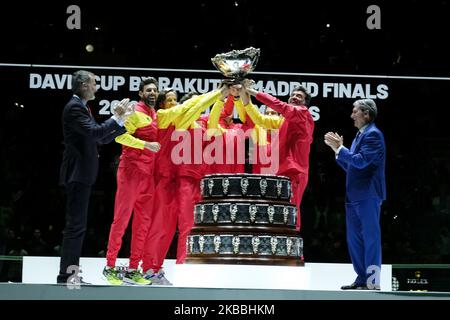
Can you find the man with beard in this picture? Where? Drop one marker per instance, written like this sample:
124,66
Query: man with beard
135,185
79,167
178,185
296,128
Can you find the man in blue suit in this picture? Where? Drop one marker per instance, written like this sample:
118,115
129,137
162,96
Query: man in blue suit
364,165
79,167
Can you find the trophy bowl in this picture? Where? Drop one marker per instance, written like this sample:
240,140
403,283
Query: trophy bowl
237,63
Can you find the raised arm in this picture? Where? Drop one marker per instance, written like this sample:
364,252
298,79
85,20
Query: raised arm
80,120
196,110
298,115
267,122
167,116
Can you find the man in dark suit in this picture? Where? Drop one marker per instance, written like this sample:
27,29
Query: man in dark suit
80,165
364,165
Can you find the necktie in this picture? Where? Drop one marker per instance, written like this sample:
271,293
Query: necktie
355,141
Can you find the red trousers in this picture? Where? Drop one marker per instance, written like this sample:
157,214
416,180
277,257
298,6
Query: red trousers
178,209
135,192
159,237
189,194
298,185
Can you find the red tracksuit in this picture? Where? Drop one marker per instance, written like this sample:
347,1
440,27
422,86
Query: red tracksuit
293,145
260,151
177,189
135,185
232,139
188,179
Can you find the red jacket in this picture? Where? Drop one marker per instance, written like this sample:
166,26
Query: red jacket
141,127
295,135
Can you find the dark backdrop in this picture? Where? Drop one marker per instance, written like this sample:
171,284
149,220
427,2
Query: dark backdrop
293,37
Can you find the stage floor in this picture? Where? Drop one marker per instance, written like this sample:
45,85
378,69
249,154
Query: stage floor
314,281
22,291
312,276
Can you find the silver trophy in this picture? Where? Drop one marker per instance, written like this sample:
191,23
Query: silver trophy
244,185
191,244
236,241
279,186
215,212
270,213
233,212
285,214
217,242
289,244
252,210
202,187
201,243
236,64
202,212
273,244
255,244
225,185
210,185
263,186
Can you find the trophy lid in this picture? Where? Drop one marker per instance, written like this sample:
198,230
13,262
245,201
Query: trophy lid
236,63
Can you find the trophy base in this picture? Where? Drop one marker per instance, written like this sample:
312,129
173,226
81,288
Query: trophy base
245,219
245,260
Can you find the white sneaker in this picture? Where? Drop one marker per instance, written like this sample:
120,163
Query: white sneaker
157,278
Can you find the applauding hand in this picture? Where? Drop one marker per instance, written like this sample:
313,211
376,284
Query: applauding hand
333,140
124,109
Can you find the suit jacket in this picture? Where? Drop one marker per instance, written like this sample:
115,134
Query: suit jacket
81,136
365,165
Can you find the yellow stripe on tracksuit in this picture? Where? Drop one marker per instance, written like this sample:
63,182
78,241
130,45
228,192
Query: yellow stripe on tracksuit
262,122
189,109
135,121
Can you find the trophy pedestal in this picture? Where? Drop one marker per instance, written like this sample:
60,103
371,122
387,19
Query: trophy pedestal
245,260
245,219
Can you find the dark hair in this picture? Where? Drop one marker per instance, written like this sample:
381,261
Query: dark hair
265,109
78,78
162,96
147,81
305,91
188,95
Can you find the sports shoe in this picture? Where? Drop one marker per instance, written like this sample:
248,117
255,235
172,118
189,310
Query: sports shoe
111,275
135,277
157,278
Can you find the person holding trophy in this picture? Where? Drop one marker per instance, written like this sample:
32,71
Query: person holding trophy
235,65
232,134
181,182
296,127
135,185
